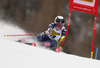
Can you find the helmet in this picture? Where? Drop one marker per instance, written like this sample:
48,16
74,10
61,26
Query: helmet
59,21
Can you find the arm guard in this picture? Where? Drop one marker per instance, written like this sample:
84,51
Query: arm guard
60,40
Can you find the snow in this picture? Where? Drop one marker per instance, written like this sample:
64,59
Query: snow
19,55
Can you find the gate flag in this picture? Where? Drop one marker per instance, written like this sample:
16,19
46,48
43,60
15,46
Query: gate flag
88,6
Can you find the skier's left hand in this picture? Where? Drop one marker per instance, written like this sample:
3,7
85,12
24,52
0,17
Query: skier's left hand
58,42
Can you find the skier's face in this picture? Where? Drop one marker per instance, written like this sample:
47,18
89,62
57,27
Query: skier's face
59,26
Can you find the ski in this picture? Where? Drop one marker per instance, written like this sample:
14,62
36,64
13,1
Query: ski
42,44
47,44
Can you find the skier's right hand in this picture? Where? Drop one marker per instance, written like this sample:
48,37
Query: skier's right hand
50,30
43,33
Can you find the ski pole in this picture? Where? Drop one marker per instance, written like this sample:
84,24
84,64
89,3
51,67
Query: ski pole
25,35
21,35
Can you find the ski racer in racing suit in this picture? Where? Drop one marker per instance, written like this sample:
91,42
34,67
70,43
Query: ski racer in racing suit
56,32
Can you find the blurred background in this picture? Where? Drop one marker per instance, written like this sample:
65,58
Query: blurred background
34,16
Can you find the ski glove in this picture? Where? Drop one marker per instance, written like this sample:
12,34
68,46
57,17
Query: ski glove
50,30
43,33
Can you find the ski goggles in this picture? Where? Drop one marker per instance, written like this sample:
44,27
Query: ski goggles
59,24
60,20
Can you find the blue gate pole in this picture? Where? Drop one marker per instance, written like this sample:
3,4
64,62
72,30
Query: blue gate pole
96,53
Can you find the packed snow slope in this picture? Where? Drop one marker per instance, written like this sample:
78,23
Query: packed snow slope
19,55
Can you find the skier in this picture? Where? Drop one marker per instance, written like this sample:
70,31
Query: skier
55,33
